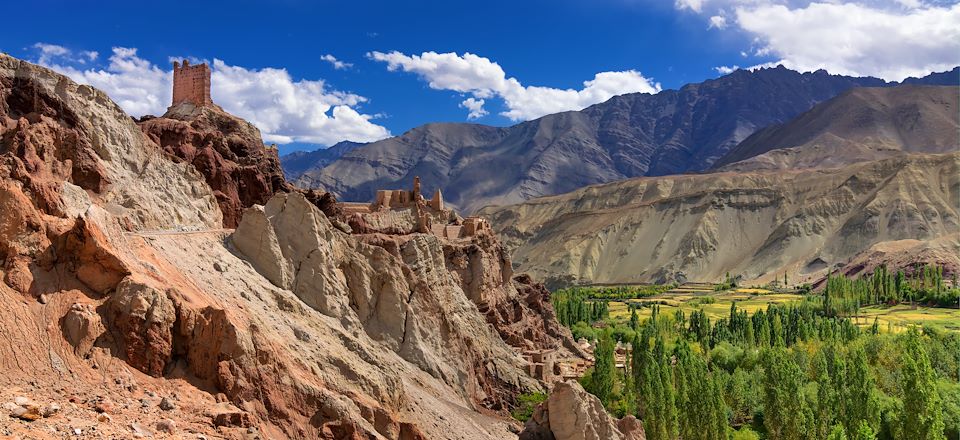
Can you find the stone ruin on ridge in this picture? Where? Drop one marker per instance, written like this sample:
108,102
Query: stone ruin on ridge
432,216
191,84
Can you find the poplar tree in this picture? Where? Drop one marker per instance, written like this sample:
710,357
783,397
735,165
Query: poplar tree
861,403
785,411
601,380
922,416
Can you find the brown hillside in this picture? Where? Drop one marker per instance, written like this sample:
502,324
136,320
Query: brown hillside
758,224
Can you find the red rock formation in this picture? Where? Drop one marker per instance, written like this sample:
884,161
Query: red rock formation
227,150
346,341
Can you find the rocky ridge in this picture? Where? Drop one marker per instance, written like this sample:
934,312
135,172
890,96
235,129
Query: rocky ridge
863,124
299,162
127,305
227,150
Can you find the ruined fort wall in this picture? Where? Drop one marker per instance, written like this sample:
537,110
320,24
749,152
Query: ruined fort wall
191,84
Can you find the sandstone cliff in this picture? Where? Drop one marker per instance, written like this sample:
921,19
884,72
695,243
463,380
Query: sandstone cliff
758,224
128,311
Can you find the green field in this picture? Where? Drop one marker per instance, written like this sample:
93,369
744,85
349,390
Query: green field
897,317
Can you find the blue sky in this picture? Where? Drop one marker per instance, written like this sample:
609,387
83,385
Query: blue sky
406,62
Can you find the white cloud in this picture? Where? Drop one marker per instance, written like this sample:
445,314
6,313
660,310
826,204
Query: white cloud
337,64
475,106
284,109
725,70
693,5
287,110
890,39
718,22
49,52
482,78
853,39
137,85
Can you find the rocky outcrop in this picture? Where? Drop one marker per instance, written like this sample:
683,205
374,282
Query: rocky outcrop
143,318
759,224
570,413
64,147
227,150
406,300
54,131
121,292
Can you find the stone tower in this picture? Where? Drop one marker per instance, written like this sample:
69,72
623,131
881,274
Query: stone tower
191,84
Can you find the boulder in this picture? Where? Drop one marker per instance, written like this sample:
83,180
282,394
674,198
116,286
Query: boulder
631,428
82,326
143,319
571,413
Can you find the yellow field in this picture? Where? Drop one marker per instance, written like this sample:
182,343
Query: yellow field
752,291
671,302
899,317
903,315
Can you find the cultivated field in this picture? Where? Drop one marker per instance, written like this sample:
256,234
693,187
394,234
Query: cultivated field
717,305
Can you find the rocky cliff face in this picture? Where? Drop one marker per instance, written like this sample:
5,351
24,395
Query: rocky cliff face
632,135
227,150
863,124
129,309
758,224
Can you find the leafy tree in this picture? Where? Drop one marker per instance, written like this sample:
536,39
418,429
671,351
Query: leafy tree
526,403
785,416
602,379
837,433
861,403
864,432
922,416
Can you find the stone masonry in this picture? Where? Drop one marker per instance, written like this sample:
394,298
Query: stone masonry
426,211
191,84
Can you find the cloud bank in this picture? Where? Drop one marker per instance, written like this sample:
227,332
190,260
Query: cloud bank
889,39
285,110
482,79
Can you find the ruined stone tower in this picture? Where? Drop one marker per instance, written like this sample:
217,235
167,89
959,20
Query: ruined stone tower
191,84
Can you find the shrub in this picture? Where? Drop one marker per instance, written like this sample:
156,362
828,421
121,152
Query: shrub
526,403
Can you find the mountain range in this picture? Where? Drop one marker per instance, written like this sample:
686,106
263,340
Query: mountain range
869,177
674,131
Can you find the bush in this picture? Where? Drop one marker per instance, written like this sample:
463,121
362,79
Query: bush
526,403
745,433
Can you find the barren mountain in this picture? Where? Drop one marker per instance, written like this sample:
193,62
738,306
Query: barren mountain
674,131
865,123
299,162
756,224
128,312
